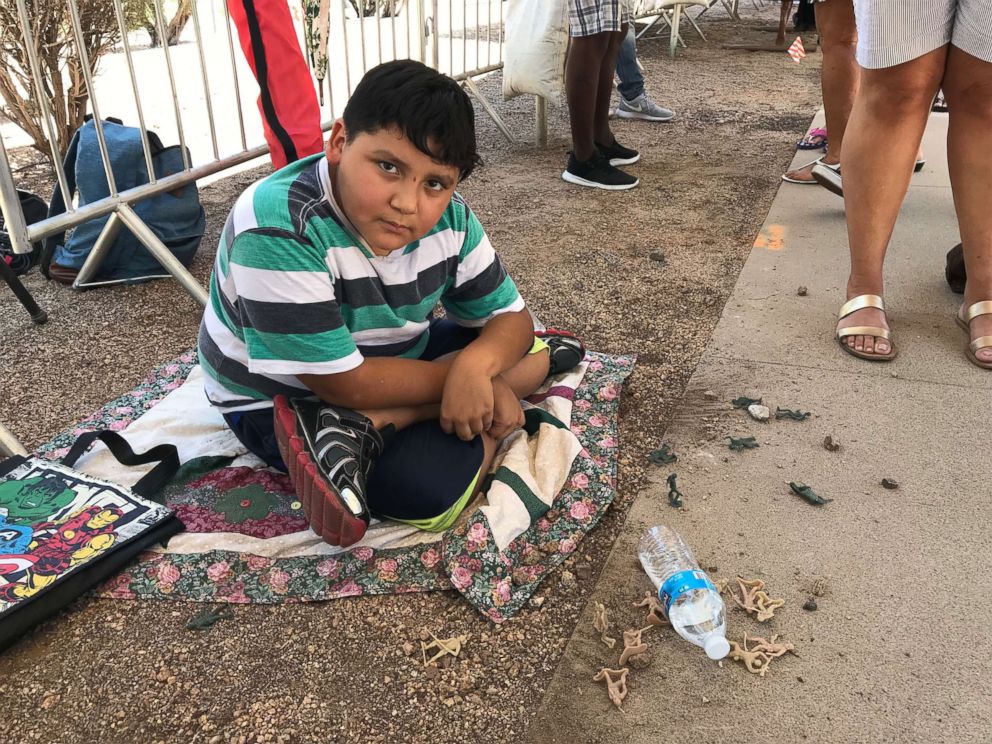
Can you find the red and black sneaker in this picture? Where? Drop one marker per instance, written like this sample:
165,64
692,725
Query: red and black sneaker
565,348
329,452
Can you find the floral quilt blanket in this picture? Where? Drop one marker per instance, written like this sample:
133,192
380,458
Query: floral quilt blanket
247,540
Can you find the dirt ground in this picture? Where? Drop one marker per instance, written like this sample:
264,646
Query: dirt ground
645,272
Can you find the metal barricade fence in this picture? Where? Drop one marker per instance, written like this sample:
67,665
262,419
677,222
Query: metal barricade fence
205,83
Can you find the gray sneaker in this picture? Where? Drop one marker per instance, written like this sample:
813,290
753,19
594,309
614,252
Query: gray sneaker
643,107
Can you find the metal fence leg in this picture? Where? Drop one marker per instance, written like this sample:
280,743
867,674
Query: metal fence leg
500,124
162,254
7,274
103,242
9,444
541,121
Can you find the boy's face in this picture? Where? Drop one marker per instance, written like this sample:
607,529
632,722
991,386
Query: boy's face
391,191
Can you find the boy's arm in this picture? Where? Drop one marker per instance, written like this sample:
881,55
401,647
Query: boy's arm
468,402
389,382
382,382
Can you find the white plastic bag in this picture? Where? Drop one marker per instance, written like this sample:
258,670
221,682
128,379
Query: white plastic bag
536,42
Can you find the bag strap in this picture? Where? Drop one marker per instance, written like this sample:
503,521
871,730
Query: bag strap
57,205
166,455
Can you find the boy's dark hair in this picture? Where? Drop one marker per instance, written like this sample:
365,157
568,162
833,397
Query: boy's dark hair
425,105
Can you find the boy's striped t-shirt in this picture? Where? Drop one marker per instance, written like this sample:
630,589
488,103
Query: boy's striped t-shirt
296,291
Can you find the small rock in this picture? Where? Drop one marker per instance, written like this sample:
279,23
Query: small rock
705,699
890,483
759,412
800,679
810,605
657,256
583,571
536,602
802,291
432,673
408,648
710,395
830,444
568,579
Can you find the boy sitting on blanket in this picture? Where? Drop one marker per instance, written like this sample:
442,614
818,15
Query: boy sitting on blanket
319,344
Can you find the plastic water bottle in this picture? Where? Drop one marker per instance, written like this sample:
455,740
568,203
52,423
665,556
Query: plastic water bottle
691,602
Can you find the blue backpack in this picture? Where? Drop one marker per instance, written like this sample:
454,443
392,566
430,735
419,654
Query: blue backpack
176,217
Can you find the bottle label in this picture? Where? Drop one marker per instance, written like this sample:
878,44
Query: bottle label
680,583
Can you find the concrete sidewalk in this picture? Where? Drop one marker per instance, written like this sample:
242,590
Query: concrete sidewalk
899,649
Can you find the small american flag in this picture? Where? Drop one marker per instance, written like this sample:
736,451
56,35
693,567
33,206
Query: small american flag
797,51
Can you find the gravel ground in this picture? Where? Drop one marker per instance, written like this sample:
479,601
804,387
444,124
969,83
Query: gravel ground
644,272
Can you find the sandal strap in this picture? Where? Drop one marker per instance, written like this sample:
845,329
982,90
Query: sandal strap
860,303
875,331
979,308
982,342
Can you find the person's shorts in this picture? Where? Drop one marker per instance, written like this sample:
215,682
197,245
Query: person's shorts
424,476
891,32
589,17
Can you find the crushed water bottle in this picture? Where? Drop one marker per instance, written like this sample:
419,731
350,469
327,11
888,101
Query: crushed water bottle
691,602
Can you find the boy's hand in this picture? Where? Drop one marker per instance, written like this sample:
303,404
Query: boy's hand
508,414
467,402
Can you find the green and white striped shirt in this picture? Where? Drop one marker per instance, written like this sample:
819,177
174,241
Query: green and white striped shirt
296,291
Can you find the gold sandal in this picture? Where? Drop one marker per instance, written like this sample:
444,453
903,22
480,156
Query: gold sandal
982,342
852,306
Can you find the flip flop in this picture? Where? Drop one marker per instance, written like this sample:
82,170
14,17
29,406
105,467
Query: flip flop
828,176
785,176
815,139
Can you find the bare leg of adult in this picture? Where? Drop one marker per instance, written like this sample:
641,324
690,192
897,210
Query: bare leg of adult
583,73
839,76
840,72
968,90
604,91
882,138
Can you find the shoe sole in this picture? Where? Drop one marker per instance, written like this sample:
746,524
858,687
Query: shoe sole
643,117
572,178
322,505
829,179
797,181
624,161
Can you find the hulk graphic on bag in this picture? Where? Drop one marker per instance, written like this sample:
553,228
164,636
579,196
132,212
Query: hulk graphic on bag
34,499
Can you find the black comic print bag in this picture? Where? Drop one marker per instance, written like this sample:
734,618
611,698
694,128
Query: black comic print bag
62,532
